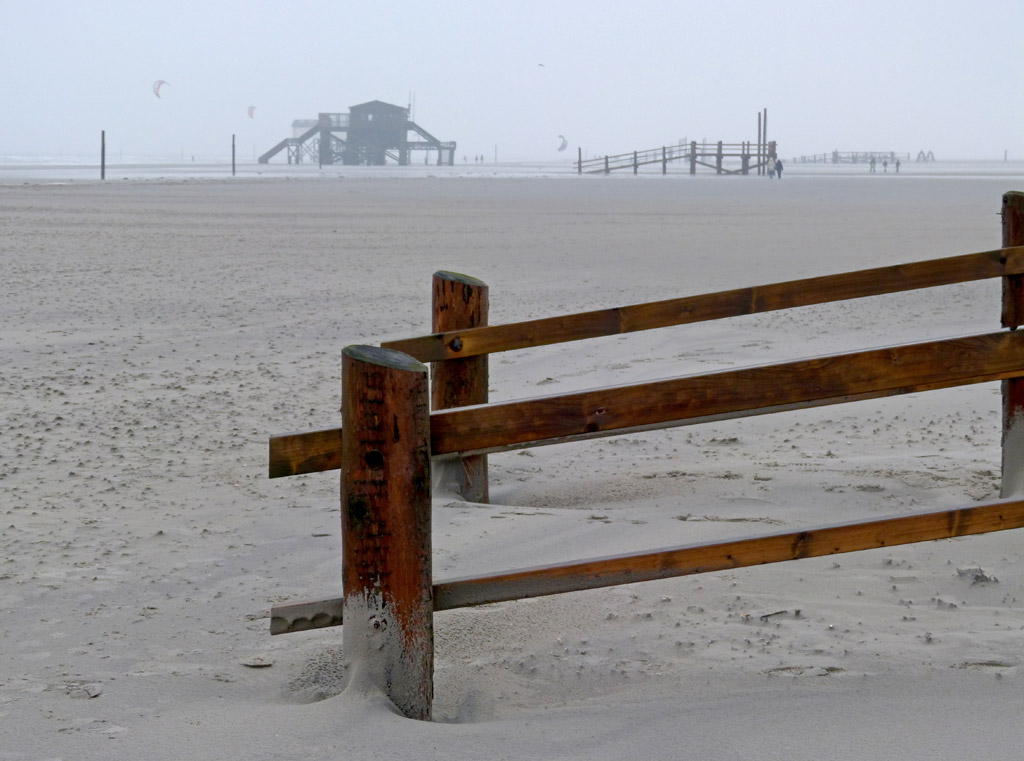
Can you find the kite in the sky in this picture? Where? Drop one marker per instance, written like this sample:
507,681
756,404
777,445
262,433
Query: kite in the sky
157,85
564,145
252,110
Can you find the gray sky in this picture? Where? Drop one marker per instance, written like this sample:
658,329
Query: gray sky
901,75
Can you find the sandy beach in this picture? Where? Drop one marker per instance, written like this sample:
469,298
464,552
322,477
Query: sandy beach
155,332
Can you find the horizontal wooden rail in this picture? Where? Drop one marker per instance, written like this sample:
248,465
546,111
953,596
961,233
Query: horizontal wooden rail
685,560
699,398
713,306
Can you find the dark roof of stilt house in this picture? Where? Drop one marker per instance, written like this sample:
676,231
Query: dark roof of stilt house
376,105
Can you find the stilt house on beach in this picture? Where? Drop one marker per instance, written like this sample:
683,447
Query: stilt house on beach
370,133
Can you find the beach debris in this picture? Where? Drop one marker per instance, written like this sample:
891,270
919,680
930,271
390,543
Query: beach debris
564,145
258,662
766,617
157,85
976,576
83,690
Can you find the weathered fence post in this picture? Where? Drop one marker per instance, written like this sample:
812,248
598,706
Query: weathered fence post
693,157
579,160
385,518
459,302
664,160
1012,318
718,157
636,165
606,164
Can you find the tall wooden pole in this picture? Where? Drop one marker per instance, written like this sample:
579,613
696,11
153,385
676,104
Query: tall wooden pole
460,302
385,518
759,169
103,154
1012,318
764,140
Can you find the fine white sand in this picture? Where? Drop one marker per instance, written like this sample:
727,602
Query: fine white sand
154,333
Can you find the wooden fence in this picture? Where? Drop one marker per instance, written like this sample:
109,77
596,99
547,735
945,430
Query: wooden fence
391,431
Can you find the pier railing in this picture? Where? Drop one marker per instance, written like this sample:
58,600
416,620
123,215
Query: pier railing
393,427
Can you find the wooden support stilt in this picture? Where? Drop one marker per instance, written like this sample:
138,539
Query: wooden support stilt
718,158
693,157
385,518
460,302
664,160
1013,388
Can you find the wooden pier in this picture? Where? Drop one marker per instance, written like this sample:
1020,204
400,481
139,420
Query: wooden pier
751,155
709,155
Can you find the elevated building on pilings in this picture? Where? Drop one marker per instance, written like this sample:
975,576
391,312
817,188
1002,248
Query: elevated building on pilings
370,133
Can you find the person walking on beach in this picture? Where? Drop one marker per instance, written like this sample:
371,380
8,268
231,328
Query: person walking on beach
872,163
778,168
897,166
771,166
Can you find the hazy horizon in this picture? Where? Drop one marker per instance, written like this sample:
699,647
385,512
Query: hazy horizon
510,79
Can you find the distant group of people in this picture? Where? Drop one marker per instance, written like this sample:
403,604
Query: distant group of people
774,167
885,165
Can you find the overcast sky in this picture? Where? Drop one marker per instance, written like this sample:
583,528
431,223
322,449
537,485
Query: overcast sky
901,75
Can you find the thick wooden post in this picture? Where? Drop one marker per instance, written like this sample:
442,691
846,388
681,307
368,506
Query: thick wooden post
718,158
693,157
606,164
103,154
1012,318
385,519
461,302
664,160
636,165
